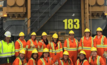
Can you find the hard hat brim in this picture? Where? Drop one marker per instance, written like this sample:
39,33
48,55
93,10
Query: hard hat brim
87,32
44,35
33,35
82,53
21,36
22,53
66,54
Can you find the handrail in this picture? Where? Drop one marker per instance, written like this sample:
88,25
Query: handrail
35,19
11,26
25,21
39,17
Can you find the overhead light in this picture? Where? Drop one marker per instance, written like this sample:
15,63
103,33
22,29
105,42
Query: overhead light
1,6
5,15
106,14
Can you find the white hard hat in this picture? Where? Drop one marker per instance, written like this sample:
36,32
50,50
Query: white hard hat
7,34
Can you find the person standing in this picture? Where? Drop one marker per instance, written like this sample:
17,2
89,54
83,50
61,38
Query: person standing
100,43
71,45
65,60
56,49
43,43
20,60
31,43
82,60
34,58
20,43
86,43
95,59
7,50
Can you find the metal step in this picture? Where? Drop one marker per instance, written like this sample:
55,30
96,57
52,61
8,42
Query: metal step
52,12
39,21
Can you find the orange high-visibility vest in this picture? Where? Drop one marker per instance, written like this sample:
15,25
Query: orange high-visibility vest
42,61
82,47
19,44
56,52
85,62
18,61
68,48
98,61
31,62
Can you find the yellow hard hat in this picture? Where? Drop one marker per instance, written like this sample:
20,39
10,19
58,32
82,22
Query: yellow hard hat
55,35
46,50
71,32
87,30
82,52
33,33
65,53
99,29
44,33
21,34
93,49
22,51
34,51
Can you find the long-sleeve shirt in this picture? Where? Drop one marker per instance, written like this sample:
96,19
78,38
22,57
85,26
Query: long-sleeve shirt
85,62
97,61
18,61
62,62
56,51
32,62
43,61
19,44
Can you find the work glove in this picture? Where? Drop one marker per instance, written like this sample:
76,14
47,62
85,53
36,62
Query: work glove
32,45
105,54
56,63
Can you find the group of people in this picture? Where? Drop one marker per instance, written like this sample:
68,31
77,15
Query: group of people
89,51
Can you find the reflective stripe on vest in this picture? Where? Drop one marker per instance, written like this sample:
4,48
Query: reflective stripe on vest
9,52
68,46
41,49
98,60
61,62
20,62
87,48
53,49
33,61
82,63
30,49
21,46
102,43
43,62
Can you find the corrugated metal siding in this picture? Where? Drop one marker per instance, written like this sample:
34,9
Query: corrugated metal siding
65,12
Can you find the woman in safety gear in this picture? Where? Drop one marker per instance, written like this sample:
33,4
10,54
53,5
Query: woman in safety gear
56,49
20,59
43,43
34,58
95,59
45,59
20,43
31,43
7,50
82,59
100,43
65,60
86,43
71,45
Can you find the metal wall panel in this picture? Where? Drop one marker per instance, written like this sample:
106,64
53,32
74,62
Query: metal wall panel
65,12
